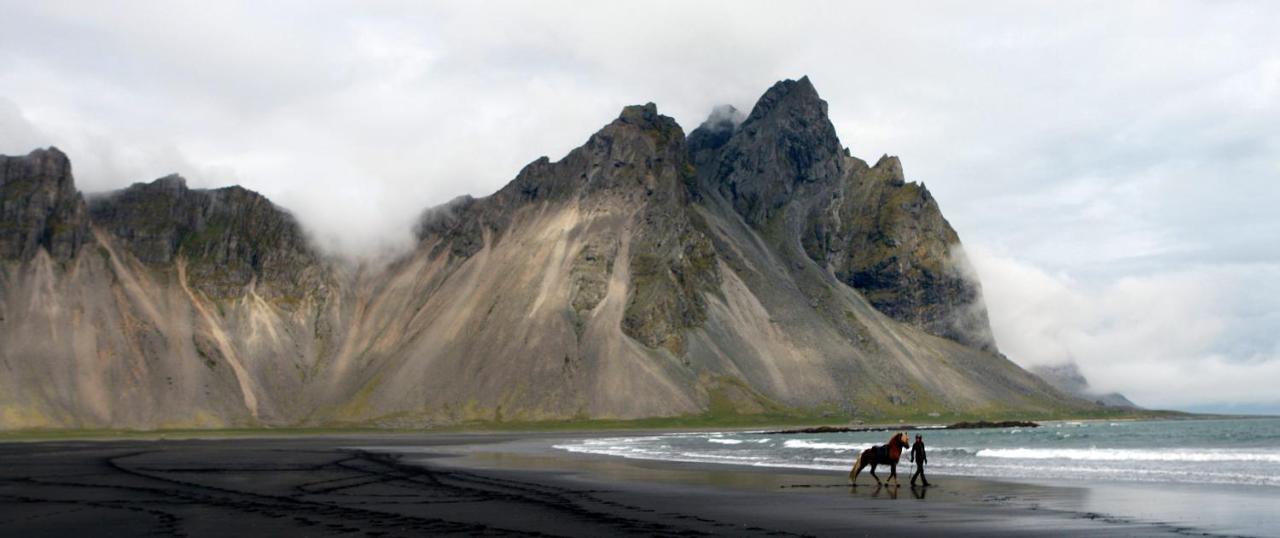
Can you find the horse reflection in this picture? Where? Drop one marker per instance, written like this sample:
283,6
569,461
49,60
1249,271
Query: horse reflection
891,489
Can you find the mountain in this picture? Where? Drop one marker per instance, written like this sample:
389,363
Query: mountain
1067,378
753,266
40,209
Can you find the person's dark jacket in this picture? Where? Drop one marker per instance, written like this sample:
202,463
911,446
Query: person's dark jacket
917,453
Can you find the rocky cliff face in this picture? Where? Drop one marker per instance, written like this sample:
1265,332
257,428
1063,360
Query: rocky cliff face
785,172
40,208
752,267
888,239
230,239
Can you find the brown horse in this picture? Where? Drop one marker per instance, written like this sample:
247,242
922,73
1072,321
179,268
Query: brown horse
886,454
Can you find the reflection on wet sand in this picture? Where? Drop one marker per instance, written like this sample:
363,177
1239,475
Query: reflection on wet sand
891,489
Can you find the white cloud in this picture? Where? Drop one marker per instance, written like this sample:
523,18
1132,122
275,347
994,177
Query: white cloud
16,131
1191,337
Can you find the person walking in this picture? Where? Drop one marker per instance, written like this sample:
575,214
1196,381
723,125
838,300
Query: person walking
917,456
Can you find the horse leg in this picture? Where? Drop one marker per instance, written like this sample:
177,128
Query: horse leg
893,473
873,472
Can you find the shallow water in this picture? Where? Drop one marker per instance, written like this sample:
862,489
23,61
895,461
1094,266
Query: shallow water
1226,451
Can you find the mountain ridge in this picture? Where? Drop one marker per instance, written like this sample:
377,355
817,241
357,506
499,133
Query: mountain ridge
753,266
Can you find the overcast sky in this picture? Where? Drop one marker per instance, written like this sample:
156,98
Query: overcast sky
1113,168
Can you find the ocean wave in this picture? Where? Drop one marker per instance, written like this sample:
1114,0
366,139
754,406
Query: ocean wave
1129,454
818,445
718,457
662,455
1113,464
720,441
952,451
812,466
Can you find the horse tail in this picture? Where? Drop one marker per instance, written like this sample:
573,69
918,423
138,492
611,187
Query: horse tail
857,464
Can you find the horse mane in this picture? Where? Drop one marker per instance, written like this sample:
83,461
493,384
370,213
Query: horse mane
895,448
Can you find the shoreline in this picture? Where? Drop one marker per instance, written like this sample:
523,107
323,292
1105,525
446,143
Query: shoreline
505,484
569,428
1127,508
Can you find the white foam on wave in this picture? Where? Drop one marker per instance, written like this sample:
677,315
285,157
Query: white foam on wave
813,466
1130,454
818,445
1114,464
857,447
605,448
1246,465
697,456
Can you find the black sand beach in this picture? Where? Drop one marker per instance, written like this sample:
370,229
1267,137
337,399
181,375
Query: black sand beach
503,484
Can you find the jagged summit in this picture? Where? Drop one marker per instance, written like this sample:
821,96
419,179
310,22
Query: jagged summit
889,168
646,116
171,182
794,95
229,237
42,163
786,142
752,267
638,132
40,207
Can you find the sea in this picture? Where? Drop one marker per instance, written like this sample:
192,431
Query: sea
1243,451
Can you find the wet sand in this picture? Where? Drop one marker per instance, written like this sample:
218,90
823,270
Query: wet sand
489,484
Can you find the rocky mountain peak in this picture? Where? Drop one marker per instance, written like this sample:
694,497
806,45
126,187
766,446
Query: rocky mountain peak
792,114
231,237
889,169
619,157
48,162
40,206
172,183
795,95
645,120
645,117
786,143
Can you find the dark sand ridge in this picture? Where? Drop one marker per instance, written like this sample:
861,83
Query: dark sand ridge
328,486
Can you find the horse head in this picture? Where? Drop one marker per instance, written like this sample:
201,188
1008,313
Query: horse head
902,439
899,440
